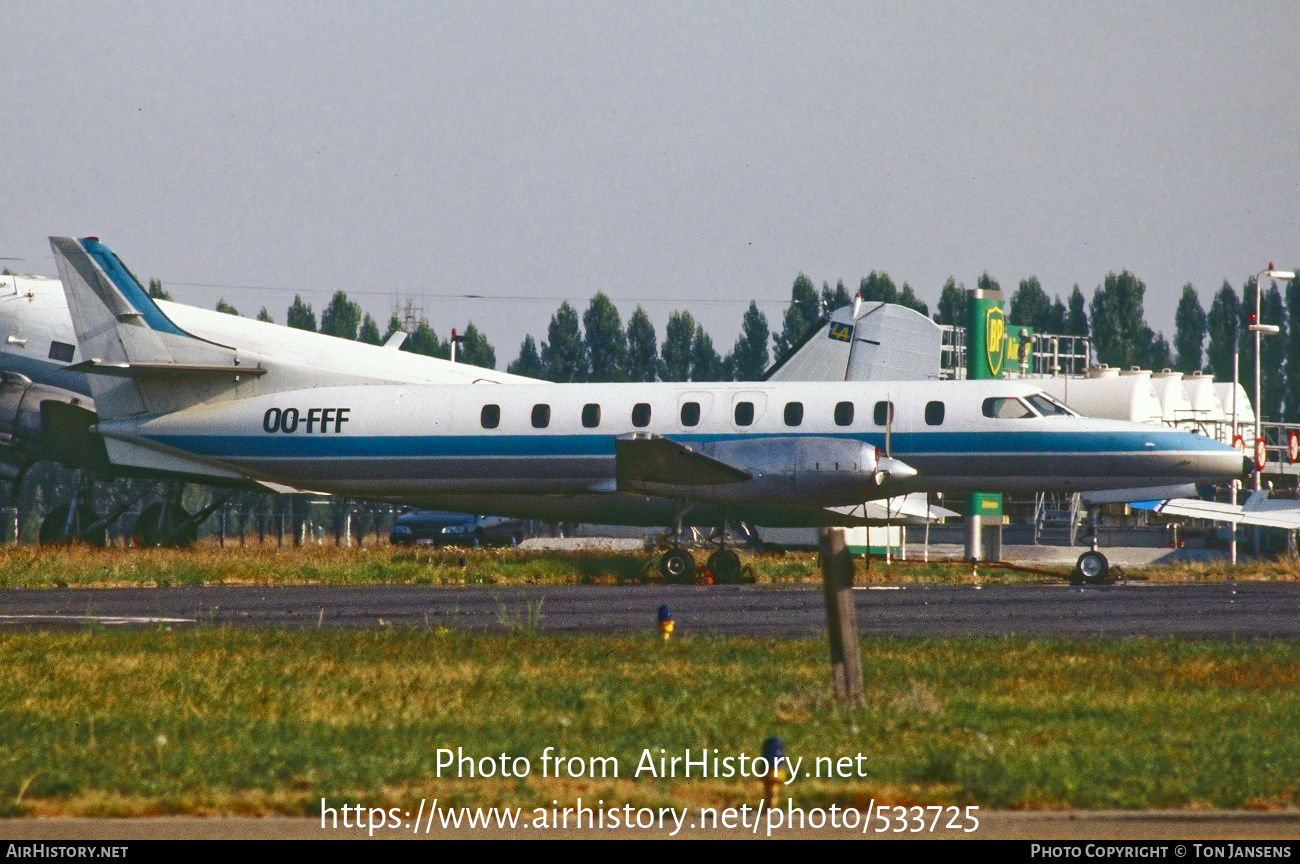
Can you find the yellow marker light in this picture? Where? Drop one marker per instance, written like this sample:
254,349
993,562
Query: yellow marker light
665,622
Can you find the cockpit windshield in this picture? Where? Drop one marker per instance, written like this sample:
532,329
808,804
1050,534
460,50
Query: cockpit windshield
1049,407
1006,408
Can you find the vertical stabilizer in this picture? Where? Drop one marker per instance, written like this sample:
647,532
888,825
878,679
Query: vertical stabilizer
138,361
865,342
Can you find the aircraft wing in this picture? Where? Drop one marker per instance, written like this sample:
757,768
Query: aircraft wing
1258,510
643,460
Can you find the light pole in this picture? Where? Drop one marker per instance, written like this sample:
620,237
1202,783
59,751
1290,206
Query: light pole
1259,329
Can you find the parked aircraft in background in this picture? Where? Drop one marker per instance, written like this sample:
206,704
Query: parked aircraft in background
690,453
46,408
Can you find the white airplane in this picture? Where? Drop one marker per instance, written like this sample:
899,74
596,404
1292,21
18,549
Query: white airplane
46,408
649,454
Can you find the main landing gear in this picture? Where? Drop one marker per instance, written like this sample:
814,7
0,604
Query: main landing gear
678,565
76,521
162,523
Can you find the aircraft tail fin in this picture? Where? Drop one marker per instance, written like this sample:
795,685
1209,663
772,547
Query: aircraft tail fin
869,341
140,361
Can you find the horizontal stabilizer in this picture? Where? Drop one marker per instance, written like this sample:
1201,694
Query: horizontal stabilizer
1258,510
142,370
644,459
910,509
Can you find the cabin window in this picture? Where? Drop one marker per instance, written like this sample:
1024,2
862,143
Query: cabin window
933,413
793,413
744,413
641,415
843,413
690,413
62,351
883,414
1003,408
490,416
591,415
541,416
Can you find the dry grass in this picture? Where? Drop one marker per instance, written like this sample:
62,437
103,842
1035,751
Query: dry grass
110,722
42,567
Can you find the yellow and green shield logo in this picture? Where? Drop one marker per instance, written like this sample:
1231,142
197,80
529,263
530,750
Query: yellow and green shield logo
995,343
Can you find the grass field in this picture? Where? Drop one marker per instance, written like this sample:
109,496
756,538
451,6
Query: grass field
212,720
59,567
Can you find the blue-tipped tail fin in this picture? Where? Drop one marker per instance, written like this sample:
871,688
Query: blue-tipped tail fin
123,332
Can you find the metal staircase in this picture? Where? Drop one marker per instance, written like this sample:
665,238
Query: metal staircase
1056,519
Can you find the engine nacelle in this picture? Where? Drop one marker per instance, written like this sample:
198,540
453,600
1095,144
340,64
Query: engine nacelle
807,471
23,434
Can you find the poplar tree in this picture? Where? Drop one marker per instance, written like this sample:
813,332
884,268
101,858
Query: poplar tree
369,332
529,362
475,349
878,288
749,358
564,354
1189,330
341,317
1076,319
301,316
642,348
156,290
1223,322
1030,306
952,305
908,298
1292,377
706,365
675,354
804,311
606,346
1120,334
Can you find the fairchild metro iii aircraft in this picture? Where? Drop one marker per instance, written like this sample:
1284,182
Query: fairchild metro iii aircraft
783,453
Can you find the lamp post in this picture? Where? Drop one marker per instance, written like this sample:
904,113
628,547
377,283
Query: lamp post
1259,329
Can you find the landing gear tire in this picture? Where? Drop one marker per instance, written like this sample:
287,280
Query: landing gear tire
1092,568
725,566
148,532
54,527
677,565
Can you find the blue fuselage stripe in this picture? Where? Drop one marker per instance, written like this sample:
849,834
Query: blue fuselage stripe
327,445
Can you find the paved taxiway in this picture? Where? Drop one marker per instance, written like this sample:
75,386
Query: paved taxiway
1248,609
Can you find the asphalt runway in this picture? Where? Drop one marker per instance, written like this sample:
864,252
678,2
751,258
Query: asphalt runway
1240,610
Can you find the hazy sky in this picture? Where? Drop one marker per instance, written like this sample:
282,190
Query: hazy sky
685,155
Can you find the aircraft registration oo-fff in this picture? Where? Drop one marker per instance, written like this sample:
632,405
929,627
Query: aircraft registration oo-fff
770,453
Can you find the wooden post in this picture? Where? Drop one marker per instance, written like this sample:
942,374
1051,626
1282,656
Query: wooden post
841,617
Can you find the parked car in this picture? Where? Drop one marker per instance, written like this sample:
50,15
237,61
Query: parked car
441,528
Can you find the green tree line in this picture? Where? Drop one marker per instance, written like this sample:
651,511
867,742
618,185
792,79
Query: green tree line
597,346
